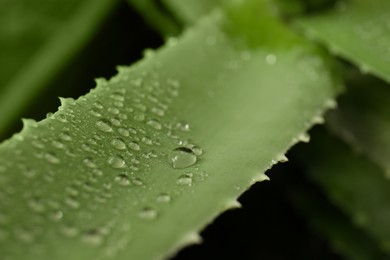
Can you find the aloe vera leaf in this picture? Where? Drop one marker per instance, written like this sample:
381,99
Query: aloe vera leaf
189,11
362,119
356,30
353,183
346,238
37,45
114,173
159,20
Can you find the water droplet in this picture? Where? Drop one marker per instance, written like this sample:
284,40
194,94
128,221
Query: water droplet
65,136
158,111
154,124
118,144
98,172
72,191
58,144
56,216
122,179
141,107
147,140
98,105
95,113
134,146
139,117
271,59
52,158
61,117
115,121
69,231
123,132
116,162
182,157
163,198
148,213
103,126
183,126
197,150
36,205
113,110
137,181
185,179
123,116
72,202
117,97
89,162
93,237
118,104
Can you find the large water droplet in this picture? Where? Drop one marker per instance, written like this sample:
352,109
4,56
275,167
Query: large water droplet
58,144
137,181
95,113
183,126
158,111
134,146
123,132
116,162
118,144
117,96
147,140
89,163
185,179
113,110
52,158
154,124
122,179
65,136
103,126
182,157
139,117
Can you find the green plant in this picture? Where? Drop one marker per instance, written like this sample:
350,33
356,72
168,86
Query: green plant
138,166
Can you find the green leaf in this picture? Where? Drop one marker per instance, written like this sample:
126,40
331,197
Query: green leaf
352,182
362,119
161,21
344,237
38,39
356,30
189,11
134,169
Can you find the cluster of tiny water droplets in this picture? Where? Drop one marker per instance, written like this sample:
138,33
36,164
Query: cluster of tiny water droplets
94,157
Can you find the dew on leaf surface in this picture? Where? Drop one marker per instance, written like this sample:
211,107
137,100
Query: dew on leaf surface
182,157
